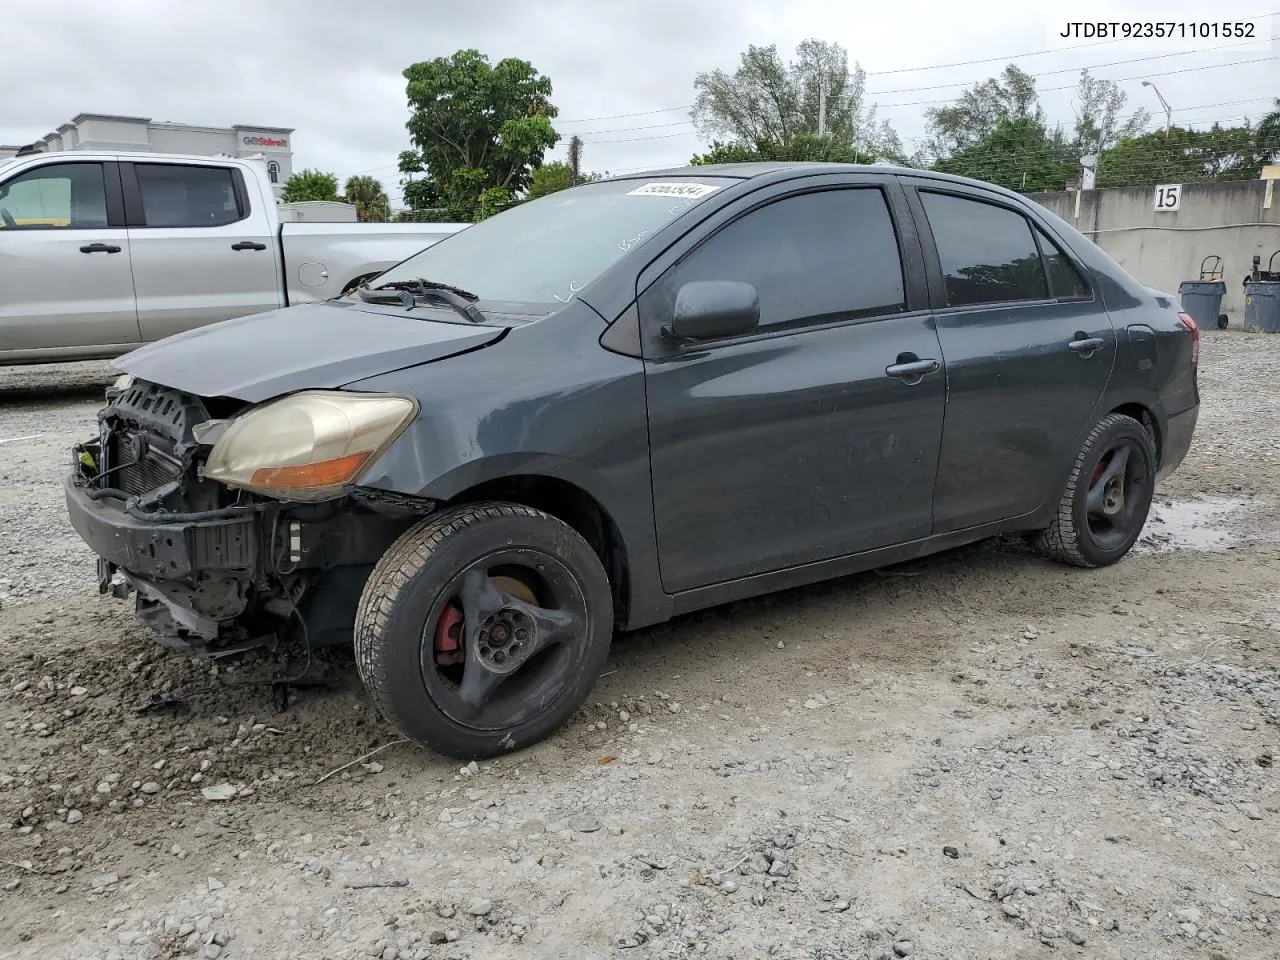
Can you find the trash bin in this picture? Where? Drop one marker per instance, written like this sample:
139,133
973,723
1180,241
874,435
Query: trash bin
1262,298
1262,306
1202,299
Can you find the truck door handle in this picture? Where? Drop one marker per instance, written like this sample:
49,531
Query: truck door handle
99,248
248,245
1085,345
910,369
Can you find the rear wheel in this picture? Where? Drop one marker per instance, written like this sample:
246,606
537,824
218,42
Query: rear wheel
1108,496
481,630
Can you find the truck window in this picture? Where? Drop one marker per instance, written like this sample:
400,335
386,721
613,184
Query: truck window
187,196
59,195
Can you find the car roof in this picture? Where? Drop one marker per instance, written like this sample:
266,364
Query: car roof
71,156
784,170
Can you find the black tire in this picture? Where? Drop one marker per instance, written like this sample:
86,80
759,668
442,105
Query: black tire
1085,538
406,601
1222,321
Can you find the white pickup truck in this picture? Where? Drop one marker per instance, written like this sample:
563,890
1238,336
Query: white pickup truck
103,252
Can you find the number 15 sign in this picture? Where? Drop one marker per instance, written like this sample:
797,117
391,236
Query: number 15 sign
1168,197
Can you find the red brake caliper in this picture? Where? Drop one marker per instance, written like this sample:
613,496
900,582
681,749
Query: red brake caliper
448,639
449,635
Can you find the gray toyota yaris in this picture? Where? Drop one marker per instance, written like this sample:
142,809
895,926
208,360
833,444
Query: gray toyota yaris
623,402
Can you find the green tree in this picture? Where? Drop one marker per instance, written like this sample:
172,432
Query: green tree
310,185
1268,135
1181,155
980,109
478,130
555,176
575,160
1019,154
767,98
801,147
369,198
1099,125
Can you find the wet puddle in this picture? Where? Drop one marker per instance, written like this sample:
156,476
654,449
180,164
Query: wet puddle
1203,525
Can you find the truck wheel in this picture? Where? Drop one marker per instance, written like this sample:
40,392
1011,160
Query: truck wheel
1108,496
482,629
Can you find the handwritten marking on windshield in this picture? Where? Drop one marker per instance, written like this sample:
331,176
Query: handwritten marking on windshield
632,242
574,287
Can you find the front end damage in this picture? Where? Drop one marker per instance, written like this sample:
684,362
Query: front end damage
217,570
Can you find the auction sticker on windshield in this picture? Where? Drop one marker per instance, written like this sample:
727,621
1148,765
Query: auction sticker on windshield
692,191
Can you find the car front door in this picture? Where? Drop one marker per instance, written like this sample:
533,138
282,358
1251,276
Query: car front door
202,251
1028,345
65,279
810,438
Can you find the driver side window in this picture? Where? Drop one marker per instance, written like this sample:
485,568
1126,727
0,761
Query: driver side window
57,196
814,258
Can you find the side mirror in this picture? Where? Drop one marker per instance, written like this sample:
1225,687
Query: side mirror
714,308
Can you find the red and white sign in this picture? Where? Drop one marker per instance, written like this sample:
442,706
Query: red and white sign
265,141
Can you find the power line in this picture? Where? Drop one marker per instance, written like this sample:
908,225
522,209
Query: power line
940,66
652,126
1071,86
914,103
1050,73
689,123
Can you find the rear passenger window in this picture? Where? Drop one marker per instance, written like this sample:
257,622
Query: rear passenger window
813,258
987,253
1065,282
187,196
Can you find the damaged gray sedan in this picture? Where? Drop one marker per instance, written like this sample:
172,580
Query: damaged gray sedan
623,402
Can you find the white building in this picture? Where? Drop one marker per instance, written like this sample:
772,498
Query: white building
105,132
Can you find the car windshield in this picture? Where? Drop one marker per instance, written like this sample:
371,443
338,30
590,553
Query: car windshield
546,250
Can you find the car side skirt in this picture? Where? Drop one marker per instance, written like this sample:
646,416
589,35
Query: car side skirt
811,573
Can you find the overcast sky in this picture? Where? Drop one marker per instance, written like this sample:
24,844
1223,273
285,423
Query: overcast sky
622,72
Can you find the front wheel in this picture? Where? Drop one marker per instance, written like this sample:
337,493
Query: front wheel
1108,496
482,629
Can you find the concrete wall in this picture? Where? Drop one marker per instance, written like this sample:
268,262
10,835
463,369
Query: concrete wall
1234,220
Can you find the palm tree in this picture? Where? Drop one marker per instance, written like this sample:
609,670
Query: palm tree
369,198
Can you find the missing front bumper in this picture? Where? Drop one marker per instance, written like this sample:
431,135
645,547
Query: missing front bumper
159,551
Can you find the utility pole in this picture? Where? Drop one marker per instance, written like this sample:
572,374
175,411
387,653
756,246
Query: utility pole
822,107
1168,110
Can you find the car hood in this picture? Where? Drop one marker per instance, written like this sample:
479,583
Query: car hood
320,345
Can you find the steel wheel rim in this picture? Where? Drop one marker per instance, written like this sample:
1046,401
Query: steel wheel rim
520,685
1116,495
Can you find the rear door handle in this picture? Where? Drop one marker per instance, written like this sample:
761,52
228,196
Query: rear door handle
1086,345
99,248
248,245
912,371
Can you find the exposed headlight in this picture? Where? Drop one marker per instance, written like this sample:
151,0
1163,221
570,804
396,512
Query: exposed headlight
308,446
123,382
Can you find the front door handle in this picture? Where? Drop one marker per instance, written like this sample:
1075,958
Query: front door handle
248,245
1085,345
910,370
99,248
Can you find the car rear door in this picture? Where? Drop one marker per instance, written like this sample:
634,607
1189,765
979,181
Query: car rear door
810,438
203,250
65,279
1028,345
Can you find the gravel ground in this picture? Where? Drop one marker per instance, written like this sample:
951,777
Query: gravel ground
977,755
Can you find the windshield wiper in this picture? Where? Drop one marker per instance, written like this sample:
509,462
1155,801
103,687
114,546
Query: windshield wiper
455,297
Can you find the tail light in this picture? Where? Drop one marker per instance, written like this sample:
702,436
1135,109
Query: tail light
1195,338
